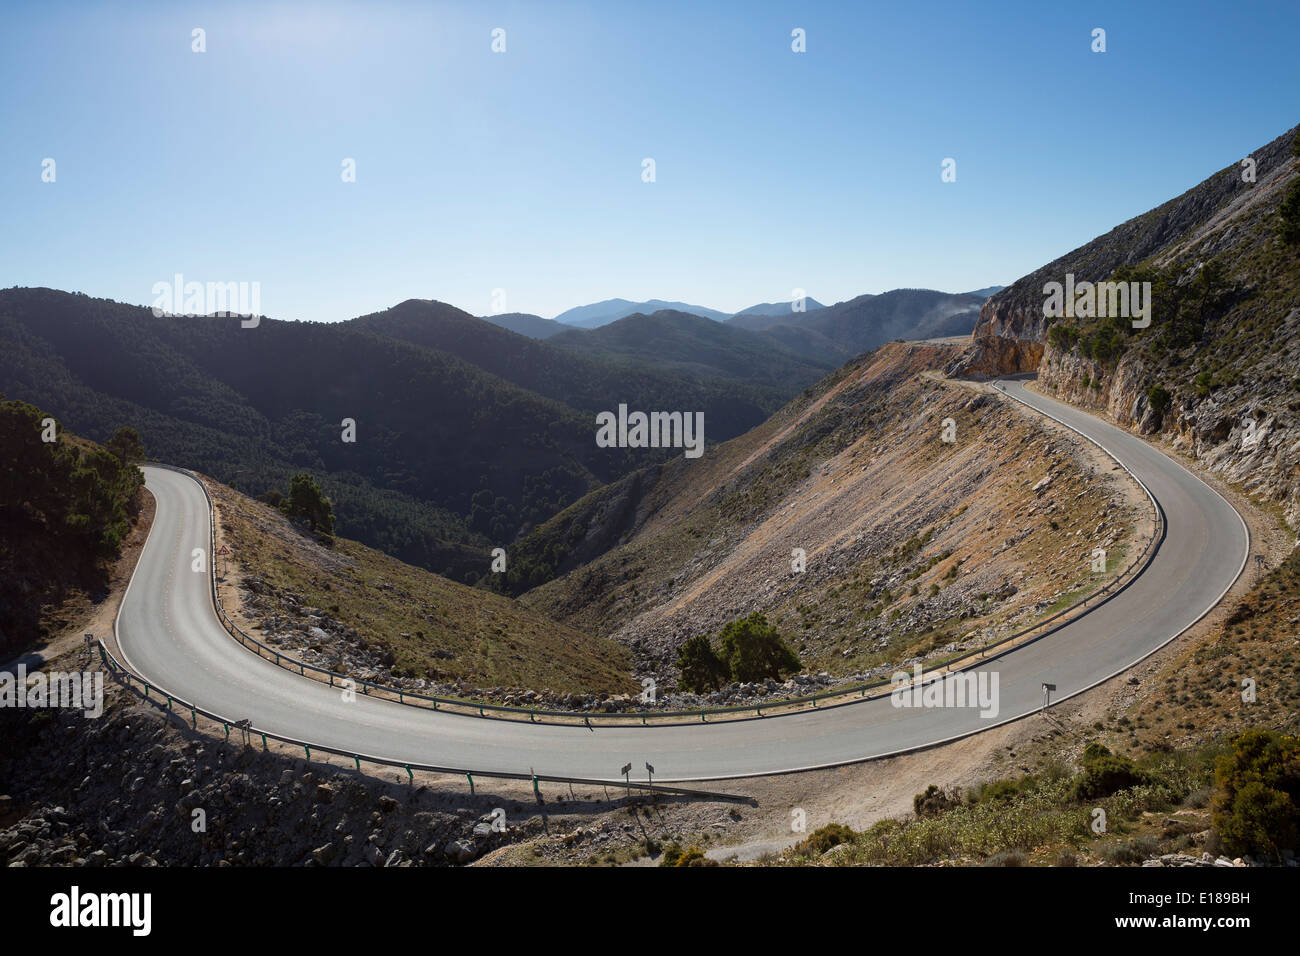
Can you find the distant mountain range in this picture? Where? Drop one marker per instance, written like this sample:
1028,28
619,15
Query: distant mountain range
835,333
611,310
469,432
599,314
680,341
780,308
533,326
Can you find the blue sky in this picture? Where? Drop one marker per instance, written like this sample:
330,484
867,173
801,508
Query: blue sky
521,170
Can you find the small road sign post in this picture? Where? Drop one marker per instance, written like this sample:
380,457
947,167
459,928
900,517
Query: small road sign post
1047,695
650,772
627,777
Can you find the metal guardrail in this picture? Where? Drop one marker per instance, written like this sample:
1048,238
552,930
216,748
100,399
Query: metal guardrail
837,697
173,705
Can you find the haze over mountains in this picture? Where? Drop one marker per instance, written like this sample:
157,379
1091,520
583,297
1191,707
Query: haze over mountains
611,310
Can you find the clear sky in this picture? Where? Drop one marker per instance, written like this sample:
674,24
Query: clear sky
522,170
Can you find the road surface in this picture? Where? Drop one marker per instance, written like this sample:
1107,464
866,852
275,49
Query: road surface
169,633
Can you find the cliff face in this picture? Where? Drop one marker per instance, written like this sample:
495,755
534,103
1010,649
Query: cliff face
1216,428
1228,391
1211,218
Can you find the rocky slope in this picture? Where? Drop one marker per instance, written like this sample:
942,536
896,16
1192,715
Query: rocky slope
1216,372
915,548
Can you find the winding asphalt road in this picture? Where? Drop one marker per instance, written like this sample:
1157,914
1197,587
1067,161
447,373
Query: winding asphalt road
168,632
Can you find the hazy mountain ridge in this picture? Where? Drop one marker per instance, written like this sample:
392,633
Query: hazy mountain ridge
610,310
838,332
689,343
524,323
779,308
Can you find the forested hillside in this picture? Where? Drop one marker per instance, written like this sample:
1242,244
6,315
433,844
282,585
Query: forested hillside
66,505
465,433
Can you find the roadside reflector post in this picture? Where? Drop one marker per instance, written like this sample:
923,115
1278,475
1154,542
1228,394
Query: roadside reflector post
194,719
308,749
410,777
470,778
358,760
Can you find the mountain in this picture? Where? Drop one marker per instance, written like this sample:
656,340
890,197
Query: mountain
611,310
592,382
906,539
780,308
467,433
1215,371
448,458
533,326
987,291
695,345
836,333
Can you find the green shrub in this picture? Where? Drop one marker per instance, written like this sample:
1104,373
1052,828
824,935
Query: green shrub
308,503
701,669
1159,398
823,838
1257,793
1105,773
754,650
674,855
935,800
